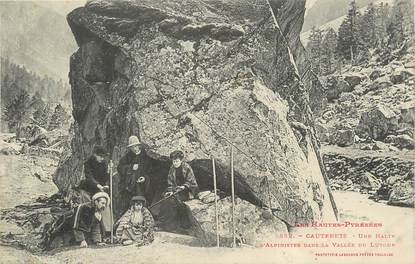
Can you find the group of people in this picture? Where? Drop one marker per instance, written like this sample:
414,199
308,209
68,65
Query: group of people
92,221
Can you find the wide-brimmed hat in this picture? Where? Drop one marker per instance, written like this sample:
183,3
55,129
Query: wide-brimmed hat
132,141
138,198
101,195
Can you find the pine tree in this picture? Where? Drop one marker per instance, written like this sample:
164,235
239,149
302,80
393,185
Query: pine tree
368,27
395,30
314,49
328,57
17,111
381,23
349,42
59,117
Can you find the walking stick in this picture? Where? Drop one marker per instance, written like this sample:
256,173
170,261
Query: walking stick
216,202
111,204
233,200
164,199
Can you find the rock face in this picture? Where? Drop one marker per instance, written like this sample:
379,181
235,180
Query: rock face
197,76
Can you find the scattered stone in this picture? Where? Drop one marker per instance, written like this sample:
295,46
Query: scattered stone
343,138
376,73
400,75
407,113
378,145
9,151
401,141
368,181
380,83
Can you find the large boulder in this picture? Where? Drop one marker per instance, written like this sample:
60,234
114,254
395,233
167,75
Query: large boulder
400,75
407,113
201,78
343,137
252,225
377,122
354,78
380,83
368,181
335,86
401,141
402,194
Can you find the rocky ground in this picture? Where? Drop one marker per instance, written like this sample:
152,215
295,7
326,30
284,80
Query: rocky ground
366,128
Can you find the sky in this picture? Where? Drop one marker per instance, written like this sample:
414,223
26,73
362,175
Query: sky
62,7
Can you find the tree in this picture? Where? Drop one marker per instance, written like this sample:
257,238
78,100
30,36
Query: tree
368,27
349,41
328,57
381,22
395,28
59,117
17,111
314,49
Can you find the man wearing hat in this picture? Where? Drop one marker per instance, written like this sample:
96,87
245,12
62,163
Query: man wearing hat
88,220
131,169
96,180
137,224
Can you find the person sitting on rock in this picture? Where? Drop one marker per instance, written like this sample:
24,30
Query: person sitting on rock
133,177
88,220
137,224
96,180
182,186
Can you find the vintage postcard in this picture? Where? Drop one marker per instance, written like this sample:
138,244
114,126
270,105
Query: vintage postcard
207,131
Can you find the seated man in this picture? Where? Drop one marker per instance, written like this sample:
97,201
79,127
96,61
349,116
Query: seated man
96,180
181,181
137,224
88,220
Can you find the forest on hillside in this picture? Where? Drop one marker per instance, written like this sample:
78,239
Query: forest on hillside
28,98
381,33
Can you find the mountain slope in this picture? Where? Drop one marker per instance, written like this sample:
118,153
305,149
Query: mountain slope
36,37
323,11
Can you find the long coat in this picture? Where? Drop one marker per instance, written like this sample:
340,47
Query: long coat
95,173
129,177
189,181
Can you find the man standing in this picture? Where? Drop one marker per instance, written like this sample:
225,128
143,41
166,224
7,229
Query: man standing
131,168
96,180
88,220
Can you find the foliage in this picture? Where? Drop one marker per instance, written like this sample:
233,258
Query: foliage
380,30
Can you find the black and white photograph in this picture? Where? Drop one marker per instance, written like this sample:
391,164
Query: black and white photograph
207,131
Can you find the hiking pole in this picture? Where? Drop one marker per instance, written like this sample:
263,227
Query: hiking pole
165,198
233,200
111,204
216,202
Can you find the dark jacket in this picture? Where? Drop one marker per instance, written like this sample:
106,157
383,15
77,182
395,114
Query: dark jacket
83,217
189,180
128,176
95,173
